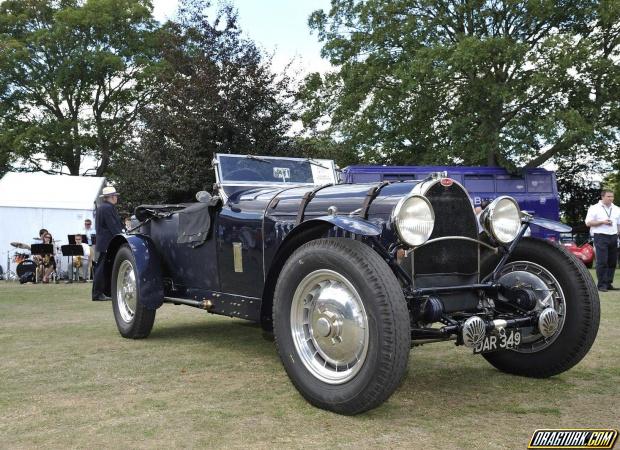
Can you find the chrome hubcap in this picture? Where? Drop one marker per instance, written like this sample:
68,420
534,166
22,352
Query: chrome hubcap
126,291
329,326
549,294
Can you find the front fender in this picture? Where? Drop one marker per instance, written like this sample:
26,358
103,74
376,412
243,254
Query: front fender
550,224
355,225
302,233
148,268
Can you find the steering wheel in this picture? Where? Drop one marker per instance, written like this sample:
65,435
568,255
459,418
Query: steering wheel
245,175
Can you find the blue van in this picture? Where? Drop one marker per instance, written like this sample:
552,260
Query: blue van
535,189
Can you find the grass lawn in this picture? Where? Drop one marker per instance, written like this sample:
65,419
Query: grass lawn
67,379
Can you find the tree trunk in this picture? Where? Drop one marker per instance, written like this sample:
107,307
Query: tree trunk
492,158
493,127
69,159
105,158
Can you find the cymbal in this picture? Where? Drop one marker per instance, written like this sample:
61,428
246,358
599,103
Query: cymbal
20,245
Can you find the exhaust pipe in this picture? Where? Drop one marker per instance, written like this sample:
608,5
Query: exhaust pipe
202,304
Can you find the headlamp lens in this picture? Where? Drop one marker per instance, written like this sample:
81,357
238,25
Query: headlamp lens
414,220
503,219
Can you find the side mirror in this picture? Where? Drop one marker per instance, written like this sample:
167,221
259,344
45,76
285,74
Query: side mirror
203,196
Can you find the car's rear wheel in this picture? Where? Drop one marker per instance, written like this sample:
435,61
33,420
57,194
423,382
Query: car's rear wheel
133,319
341,325
563,283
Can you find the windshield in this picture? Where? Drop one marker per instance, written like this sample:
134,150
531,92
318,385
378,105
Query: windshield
263,170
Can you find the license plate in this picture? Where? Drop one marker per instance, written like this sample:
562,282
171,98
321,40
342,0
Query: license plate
509,339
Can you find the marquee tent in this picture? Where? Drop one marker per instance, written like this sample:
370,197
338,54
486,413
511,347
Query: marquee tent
31,201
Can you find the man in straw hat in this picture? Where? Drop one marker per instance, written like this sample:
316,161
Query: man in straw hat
108,225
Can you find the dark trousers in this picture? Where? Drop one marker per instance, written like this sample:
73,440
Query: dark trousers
606,246
99,276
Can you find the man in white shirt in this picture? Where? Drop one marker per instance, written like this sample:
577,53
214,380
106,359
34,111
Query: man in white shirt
604,222
82,264
89,231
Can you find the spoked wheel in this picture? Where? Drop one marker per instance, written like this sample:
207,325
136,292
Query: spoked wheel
126,291
341,325
564,288
133,320
549,294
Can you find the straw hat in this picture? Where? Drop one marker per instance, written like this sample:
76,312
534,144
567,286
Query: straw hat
108,191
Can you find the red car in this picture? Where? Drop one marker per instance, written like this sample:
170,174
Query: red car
585,252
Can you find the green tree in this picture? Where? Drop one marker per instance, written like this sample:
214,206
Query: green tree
612,179
73,77
514,82
220,96
576,187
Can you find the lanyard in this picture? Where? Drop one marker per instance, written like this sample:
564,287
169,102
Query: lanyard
608,212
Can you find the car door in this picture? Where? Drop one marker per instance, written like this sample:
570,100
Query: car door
186,265
240,251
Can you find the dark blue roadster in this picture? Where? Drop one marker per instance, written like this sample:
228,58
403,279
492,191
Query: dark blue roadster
350,277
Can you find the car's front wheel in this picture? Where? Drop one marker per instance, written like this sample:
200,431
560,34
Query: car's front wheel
562,283
341,325
133,319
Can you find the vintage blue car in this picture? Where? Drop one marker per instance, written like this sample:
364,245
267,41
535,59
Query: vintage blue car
350,277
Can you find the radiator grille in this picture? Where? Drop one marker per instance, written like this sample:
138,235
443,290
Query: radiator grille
454,216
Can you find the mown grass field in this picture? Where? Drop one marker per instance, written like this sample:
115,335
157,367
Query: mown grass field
67,379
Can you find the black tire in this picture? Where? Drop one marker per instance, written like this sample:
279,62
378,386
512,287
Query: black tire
140,324
386,314
582,314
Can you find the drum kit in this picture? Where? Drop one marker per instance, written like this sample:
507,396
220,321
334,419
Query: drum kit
25,265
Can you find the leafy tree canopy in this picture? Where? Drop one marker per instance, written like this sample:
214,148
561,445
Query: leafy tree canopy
576,186
220,95
73,77
514,82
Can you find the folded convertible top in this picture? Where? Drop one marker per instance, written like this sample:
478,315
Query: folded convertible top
194,219
144,212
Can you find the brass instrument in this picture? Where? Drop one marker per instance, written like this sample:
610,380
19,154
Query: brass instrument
43,259
77,262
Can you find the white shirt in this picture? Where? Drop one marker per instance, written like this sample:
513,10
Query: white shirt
86,250
601,212
88,234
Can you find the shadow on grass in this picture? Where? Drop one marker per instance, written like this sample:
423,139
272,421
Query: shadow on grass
428,374
243,336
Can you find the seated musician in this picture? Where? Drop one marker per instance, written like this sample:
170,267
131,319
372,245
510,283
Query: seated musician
81,263
46,264
42,231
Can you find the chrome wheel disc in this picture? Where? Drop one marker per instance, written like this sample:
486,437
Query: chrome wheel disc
548,293
126,291
329,326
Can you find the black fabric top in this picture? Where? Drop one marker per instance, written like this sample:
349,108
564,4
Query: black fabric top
108,224
194,224
194,218
144,212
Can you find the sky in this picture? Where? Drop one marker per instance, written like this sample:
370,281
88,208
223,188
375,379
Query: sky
277,26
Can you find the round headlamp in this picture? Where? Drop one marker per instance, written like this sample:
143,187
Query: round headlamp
414,219
502,219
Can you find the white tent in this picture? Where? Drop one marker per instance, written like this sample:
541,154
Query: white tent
31,201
